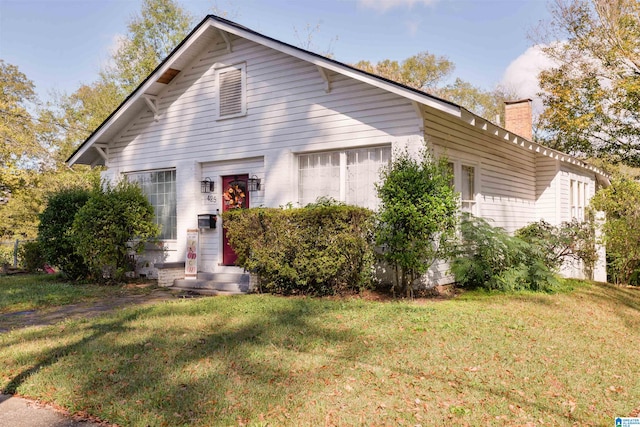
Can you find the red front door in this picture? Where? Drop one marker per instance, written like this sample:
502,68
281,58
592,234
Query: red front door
234,196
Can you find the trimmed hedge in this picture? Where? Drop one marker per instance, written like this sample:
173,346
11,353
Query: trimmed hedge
316,250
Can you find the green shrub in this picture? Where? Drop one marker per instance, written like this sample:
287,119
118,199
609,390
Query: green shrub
54,231
322,249
417,215
570,240
487,257
30,256
112,225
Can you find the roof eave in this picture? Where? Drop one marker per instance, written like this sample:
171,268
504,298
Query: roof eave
137,93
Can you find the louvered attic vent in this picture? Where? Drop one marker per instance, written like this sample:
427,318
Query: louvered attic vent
231,91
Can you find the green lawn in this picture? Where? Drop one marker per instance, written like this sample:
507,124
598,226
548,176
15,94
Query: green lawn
32,292
481,359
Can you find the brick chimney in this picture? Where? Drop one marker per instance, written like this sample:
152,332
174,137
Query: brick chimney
517,118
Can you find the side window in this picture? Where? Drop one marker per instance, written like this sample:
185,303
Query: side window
231,84
464,182
578,193
468,188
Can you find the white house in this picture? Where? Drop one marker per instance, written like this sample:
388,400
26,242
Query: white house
231,106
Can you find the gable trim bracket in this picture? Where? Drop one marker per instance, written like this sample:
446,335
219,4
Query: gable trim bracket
418,110
324,75
152,103
226,39
103,151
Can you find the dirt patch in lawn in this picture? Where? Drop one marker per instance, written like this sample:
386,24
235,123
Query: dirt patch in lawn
50,316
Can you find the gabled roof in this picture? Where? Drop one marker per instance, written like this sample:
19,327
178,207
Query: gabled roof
213,28
207,30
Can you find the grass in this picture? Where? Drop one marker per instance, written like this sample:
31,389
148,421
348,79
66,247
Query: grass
482,359
33,292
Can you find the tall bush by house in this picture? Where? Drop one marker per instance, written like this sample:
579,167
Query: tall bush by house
322,249
487,257
621,230
417,215
111,226
571,240
55,235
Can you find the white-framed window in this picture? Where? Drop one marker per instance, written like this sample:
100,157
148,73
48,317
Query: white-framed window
578,193
231,83
160,188
346,175
465,177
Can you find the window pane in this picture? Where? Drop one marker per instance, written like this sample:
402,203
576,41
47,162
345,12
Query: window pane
363,171
468,174
318,176
159,187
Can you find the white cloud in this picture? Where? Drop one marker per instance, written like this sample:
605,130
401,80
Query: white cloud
522,75
384,5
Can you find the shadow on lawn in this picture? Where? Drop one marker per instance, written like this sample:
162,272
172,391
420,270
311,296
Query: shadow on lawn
625,301
171,377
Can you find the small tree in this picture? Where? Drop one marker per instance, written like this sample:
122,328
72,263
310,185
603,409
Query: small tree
621,204
54,231
115,222
417,215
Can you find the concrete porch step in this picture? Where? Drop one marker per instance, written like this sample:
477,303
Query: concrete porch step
227,283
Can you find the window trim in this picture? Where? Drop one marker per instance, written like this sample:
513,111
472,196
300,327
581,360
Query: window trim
342,153
242,66
458,163
578,197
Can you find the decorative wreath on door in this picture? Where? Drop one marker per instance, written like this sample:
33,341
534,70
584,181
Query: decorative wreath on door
234,196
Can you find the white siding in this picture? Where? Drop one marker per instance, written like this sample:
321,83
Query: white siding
547,190
288,112
506,188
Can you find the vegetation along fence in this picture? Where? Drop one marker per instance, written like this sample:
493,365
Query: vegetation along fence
9,250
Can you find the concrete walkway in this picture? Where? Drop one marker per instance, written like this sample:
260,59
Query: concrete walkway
18,412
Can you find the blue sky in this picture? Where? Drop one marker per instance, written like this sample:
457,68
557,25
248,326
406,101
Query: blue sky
60,44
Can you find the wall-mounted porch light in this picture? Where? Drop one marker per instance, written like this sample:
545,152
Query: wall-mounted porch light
207,186
253,183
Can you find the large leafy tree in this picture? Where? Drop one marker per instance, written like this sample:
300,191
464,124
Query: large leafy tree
428,72
18,143
22,157
592,94
621,204
152,35
36,140
424,71
485,103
